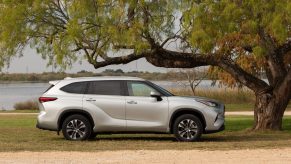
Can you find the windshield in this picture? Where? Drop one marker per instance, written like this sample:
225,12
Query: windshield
165,92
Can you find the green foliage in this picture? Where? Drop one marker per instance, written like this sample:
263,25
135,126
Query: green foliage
65,31
258,51
215,20
226,27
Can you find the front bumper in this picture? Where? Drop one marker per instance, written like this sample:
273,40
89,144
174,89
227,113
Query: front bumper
214,131
219,121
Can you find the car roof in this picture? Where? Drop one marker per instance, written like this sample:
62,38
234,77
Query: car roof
103,78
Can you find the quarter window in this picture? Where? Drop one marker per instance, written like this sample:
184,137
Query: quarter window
105,88
77,87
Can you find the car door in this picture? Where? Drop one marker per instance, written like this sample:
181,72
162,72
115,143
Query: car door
143,112
107,101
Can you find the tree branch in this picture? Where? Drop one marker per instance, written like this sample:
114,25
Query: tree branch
284,48
123,46
119,60
172,59
247,79
284,90
274,57
166,40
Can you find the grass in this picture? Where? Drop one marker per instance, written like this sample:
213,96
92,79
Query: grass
245,107
18,133
239,107
20,111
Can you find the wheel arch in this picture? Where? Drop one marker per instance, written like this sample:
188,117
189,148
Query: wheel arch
70,112
183,111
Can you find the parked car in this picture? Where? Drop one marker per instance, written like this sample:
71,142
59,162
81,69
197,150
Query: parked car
83,107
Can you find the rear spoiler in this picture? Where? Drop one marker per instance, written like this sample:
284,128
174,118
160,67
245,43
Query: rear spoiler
54,82
57,81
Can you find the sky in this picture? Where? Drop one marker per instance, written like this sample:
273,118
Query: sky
31,62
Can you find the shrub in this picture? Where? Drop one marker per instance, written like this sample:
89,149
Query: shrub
27,105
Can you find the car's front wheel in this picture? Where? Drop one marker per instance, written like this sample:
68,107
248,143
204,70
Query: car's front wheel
92,136
76,127
187,128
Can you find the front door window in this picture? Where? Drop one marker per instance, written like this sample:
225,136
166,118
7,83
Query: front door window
139,89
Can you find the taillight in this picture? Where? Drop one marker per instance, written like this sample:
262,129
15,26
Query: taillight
46,99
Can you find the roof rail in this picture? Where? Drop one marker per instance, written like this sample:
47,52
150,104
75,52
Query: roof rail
67,78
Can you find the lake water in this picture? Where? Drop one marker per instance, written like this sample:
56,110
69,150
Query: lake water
18,92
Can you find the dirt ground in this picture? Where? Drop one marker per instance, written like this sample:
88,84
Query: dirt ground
146,156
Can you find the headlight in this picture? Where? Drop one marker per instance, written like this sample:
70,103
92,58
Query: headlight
207,102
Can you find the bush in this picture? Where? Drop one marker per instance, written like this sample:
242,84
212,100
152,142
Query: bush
27,105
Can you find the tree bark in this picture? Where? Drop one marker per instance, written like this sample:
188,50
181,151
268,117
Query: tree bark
270,106
268,112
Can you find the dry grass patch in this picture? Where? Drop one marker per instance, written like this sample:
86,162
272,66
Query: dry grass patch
228,96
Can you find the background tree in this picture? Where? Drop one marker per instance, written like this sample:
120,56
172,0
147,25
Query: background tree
238,37
193,78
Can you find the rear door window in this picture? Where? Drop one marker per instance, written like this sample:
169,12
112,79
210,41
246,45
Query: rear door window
77,87
105,88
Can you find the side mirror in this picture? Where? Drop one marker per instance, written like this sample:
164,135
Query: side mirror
156,95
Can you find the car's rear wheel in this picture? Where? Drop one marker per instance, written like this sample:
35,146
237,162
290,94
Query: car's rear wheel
187,128
76,127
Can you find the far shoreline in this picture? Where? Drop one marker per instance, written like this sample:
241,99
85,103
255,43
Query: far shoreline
18,82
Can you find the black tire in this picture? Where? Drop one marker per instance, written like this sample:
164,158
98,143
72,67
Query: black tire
76,127
92,136
187,128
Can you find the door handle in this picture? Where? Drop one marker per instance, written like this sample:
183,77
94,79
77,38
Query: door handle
131,102
90,99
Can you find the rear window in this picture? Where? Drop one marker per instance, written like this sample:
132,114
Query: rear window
105,88
77,87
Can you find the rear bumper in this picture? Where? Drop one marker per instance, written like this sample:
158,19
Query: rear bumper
46,122
43,128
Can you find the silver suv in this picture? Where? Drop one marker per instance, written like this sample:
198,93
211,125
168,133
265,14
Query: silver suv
83,107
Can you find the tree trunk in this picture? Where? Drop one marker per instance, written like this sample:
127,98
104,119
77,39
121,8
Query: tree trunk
269,111
270,105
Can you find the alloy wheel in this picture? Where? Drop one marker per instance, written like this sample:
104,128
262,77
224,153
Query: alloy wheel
187,129
76,129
